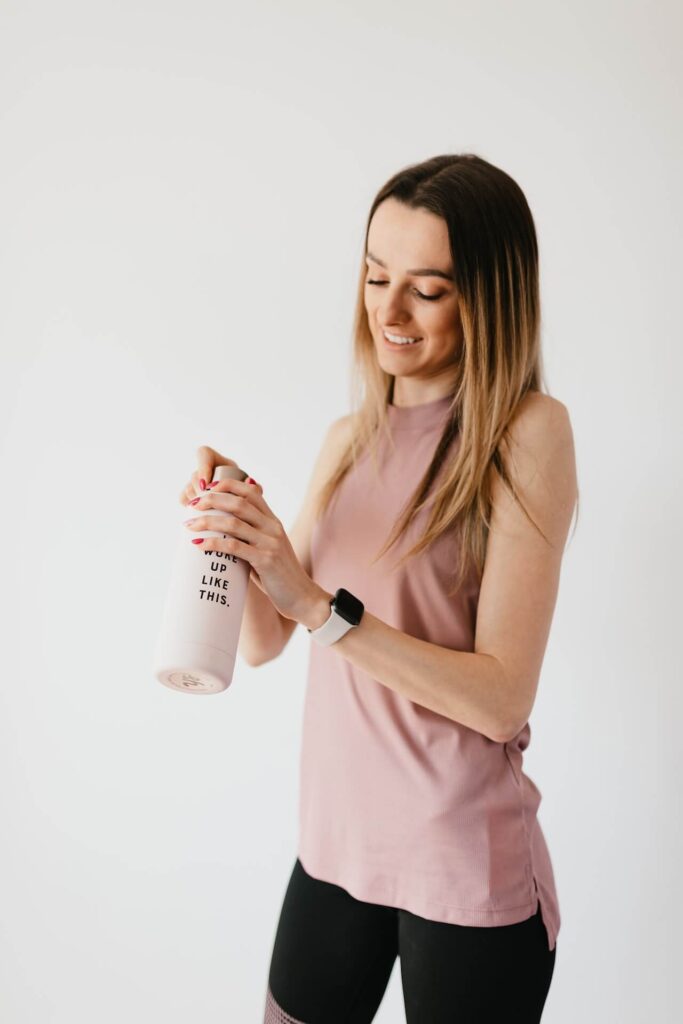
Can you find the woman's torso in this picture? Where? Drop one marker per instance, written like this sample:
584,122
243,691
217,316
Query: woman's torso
398,804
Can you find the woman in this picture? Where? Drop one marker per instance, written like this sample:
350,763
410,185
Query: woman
418,829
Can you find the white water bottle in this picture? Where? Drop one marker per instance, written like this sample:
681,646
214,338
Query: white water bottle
201,622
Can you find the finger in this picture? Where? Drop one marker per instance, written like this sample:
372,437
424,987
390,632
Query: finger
187,494
206,463
254,488
238,488
238,505
229,545
232,525
202,475
208,459
253,492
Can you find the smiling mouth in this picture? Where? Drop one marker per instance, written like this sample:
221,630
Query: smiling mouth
409,341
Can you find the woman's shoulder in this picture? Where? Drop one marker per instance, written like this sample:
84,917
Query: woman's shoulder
341,431
540,455
540,418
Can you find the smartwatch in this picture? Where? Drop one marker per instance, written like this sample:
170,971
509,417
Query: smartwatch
346,612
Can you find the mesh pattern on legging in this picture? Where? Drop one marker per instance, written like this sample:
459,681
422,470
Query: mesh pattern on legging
275,1014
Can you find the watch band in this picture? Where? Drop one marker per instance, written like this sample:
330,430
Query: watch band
346,612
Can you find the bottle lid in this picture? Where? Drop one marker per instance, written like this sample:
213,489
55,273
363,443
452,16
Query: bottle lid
228,473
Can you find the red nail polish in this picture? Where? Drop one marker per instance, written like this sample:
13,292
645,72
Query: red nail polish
202,484
250,480
197,540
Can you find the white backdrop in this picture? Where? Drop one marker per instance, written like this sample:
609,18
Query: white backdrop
183,191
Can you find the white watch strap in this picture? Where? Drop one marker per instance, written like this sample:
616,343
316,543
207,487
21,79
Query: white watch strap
332,630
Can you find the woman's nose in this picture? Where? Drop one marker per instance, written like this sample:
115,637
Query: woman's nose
391,308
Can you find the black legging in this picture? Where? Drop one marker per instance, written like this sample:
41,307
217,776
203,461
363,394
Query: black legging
333,956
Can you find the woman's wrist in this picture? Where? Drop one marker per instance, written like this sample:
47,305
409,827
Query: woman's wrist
315,608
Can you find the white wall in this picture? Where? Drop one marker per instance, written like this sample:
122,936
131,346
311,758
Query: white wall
183,189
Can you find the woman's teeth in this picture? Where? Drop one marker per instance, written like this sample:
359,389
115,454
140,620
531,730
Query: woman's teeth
398,339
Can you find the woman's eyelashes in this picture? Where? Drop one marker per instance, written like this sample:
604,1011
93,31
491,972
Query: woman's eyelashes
429,298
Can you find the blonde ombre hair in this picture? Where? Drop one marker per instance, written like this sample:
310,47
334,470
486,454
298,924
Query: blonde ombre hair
495,259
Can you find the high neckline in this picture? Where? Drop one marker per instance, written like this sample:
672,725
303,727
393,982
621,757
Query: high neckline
418,417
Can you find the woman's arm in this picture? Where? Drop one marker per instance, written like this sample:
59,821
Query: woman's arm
261,633
265,632
493,688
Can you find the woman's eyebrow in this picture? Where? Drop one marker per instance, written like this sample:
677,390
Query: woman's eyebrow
421,272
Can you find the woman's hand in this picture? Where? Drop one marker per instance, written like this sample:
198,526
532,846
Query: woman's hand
257,536
207,460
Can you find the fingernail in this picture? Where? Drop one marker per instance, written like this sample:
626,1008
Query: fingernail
202,484
197,540
195,500
250,480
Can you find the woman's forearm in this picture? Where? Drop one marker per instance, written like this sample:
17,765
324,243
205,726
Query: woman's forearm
262,635
471,688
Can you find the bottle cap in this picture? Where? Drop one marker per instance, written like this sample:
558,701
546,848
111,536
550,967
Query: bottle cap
228,473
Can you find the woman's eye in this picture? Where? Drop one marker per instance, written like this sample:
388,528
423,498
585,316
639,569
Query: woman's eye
429,298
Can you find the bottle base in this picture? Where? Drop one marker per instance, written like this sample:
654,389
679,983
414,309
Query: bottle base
195,668
191,681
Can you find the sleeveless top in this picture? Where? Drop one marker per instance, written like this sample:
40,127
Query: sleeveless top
399,805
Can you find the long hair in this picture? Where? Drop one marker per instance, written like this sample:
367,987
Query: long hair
494,252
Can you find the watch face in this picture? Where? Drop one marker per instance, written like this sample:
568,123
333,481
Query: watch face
348,606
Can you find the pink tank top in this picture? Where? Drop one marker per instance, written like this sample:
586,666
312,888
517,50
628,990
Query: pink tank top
399,805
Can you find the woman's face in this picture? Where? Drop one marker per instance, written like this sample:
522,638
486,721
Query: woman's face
405,296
